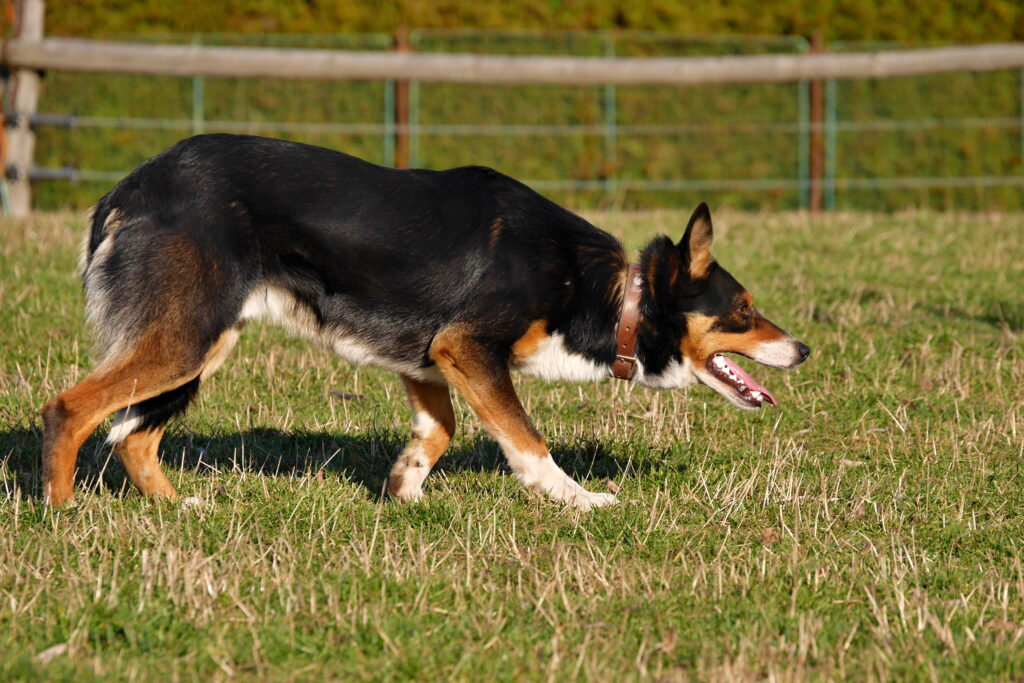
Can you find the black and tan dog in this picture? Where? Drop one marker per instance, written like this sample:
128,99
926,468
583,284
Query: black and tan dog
446,277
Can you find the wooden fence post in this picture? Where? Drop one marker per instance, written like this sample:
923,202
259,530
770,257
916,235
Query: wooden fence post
402,105
817,147
21,140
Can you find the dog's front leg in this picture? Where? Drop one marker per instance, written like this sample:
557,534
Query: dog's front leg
433,423
481,375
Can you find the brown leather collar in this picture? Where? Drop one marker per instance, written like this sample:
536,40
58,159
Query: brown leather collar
624,366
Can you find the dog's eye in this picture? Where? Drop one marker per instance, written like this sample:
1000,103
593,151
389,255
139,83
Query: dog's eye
743,309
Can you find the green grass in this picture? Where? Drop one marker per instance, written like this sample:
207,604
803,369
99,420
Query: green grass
869,528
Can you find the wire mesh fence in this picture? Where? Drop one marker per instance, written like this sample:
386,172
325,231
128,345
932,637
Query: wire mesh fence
944,141
950,141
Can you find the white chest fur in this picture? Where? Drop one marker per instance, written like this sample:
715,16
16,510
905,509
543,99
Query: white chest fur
553,361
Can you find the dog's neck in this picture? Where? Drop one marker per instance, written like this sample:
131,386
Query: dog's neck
589,321
600,287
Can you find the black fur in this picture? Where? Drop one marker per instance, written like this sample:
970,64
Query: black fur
158,410
388,256
393,255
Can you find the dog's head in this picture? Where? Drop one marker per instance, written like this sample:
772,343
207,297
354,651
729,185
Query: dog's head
698,312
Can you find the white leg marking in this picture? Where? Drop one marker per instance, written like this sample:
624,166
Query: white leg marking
191,503
413,465
541,473
408,473
126,421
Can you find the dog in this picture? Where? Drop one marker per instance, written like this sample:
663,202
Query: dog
449,278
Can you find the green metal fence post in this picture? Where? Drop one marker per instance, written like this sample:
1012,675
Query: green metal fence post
830,144
414,124
389,123
610,123
816,152
198,105
198,99
414,111
803,113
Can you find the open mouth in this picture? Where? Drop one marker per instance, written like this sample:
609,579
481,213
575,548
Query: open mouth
725,370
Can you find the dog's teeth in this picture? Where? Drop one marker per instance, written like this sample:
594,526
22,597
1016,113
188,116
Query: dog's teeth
756,395
720,361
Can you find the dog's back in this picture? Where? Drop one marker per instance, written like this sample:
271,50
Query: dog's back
389,255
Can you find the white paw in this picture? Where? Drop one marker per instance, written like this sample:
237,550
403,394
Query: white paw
191,503
586,500
405,482
407,494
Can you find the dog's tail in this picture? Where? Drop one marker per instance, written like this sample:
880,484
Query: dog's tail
103,216
112,309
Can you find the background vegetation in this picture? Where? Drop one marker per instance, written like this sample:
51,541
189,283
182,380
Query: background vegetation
979,21
870,528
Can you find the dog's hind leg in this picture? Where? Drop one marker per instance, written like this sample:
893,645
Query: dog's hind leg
138,454
150,382
482,376
432,428
137,430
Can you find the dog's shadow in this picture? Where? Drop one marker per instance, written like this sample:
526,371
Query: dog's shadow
364,459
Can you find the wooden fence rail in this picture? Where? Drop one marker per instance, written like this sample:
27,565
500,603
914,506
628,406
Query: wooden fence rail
66,54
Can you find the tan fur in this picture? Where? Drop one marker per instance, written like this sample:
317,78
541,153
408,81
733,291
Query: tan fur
218,353
112,223
138,454
700,248
484,381
487,388
700,342
529,343
431,443
594,258
496,228
152,367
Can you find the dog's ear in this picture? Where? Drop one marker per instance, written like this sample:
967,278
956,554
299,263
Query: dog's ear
695,247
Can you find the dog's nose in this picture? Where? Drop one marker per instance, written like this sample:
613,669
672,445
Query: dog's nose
804,350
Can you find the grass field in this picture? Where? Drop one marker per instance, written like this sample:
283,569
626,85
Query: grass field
870,527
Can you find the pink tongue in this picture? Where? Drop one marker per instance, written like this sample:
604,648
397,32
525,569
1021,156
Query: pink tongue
749,381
